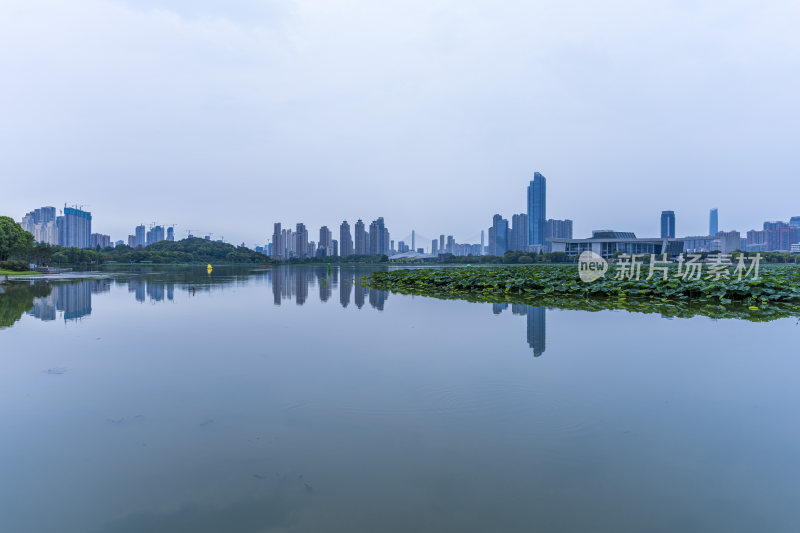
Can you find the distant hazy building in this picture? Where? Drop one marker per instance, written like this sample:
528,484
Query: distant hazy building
700,243
668,224
98,239
171,234
537,210
154,235
794,222
729,241
560,229
345,239
713,222
441,244
434,246
756,241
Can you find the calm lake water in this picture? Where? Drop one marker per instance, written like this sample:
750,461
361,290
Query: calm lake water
291,400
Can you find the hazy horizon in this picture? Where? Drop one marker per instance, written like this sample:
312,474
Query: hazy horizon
434,115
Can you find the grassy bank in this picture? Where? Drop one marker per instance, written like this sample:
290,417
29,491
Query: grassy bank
775,294
15,273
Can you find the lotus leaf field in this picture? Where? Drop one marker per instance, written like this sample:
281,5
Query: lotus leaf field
775,294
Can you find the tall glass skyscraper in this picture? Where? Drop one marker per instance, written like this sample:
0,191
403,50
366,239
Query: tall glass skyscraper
537,207
713,222
668,224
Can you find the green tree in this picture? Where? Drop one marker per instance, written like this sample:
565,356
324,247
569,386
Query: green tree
13,239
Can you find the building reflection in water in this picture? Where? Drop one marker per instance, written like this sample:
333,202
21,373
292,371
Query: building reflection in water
536,322
72,300
293,283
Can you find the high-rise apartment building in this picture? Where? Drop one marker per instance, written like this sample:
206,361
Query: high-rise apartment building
140,235
41,223
277,246
378,237
75,228
435,246
345,239
301,248
537,210
668,224
171,234
325,246
441,244
361,244
498,236
518,233
154,235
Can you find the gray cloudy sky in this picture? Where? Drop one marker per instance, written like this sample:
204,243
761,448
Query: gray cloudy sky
227,116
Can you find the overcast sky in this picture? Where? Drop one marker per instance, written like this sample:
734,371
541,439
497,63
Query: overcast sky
228,116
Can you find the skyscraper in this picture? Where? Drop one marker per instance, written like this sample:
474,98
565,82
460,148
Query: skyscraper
794,222
301,245
277,247
345,239
170,234
154,235
41,223
378,238
140,235
483,249
713,222
360,238
441,244
374,240
325,246
498,236
668,224
76,228
518,234
537,210
435,246
413,240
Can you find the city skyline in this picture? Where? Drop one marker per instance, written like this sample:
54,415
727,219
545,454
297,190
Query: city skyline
403,127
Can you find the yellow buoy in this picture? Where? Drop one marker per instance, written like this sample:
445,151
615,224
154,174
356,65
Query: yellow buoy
209,268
